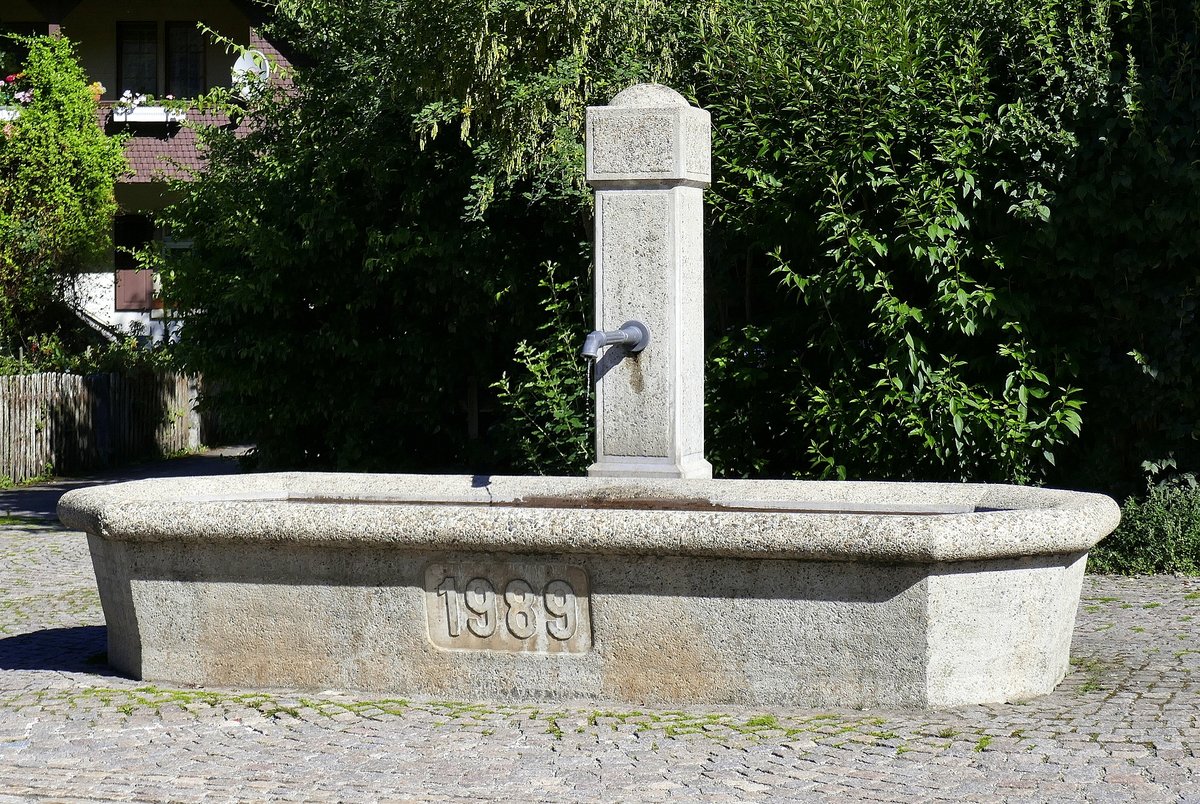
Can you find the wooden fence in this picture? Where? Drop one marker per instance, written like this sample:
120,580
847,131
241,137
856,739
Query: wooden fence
71,423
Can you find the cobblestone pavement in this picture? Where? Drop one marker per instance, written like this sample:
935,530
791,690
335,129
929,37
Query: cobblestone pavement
1123,726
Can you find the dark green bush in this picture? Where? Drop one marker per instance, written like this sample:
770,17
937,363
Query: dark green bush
551,423
881,161
1117,285
1160,533
862,322
367,258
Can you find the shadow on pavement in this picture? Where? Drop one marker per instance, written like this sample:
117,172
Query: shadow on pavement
69,650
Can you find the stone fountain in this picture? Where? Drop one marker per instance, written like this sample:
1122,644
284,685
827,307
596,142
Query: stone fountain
645,582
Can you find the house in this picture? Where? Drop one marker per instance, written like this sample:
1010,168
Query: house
152,48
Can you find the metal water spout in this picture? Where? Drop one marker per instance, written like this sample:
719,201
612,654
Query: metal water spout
634,335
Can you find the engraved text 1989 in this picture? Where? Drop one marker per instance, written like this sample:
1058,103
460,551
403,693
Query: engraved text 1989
527,607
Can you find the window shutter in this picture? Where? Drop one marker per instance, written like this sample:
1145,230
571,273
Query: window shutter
135,291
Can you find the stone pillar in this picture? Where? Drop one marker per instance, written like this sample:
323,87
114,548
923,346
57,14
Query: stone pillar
648,155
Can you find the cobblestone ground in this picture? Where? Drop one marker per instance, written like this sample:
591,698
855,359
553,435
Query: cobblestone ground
1124,726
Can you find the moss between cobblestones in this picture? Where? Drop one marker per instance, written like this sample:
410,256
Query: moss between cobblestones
151,699
802,733
31,522
1093,669
15,613
368,710
717,727
830,729
148,699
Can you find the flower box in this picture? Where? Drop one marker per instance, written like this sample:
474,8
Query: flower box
148,114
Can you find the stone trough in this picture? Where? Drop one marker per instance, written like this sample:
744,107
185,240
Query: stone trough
669,592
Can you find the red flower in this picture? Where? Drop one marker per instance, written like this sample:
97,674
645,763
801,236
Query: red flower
10,78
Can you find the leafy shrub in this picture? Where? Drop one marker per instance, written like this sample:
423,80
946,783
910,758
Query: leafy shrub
937,248
55,212
873,158
49,354
365,260
1116,288
1160,533
551,422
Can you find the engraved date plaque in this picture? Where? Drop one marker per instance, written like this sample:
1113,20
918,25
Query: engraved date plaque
511,606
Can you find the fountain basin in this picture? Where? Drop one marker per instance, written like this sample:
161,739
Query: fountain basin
667,592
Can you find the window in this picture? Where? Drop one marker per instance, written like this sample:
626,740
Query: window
183,53
137,57
134,289
185,60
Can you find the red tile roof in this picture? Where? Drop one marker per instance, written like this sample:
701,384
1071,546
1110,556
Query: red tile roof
268,49
157,152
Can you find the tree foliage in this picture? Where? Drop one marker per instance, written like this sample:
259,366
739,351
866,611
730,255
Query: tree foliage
950,240
872,157
1116,286
57,173
942,234
367,258
510,78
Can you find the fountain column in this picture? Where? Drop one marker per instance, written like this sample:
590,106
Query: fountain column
648,158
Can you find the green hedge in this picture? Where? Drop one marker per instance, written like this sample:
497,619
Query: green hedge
1157,534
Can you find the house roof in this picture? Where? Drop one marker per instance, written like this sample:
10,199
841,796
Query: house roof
160,152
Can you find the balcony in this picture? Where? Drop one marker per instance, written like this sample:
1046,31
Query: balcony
148,114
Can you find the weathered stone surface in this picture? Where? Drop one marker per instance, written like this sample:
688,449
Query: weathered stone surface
290,584
556,515
648,133
648,157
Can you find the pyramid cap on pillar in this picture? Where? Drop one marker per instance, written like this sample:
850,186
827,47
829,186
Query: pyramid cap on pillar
648,96
648,136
